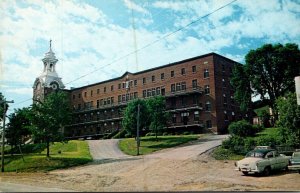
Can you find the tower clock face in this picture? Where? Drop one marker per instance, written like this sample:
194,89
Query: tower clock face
54,85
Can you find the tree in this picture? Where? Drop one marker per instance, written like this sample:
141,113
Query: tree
17,127
49,118
289,119
270,70
157,112
129,121
1,106
240,81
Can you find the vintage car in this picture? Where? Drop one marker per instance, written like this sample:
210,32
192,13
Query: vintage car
295,161
262,160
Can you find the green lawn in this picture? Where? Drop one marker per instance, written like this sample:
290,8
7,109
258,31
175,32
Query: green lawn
72,153
272,131
149,144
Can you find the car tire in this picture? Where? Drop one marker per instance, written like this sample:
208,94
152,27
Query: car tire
267,171
245,173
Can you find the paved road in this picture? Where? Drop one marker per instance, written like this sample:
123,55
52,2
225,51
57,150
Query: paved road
106,149
12,187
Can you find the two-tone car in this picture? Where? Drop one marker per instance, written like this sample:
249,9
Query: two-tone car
262,160
295,161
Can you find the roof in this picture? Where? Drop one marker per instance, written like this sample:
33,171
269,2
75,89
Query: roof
156,68
263,151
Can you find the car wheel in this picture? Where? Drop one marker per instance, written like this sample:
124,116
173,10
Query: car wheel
245,173
267,171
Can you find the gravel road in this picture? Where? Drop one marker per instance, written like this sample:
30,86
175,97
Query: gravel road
186,168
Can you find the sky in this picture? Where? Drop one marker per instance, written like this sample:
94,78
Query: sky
97,40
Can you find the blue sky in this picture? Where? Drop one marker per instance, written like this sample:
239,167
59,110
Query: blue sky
92,37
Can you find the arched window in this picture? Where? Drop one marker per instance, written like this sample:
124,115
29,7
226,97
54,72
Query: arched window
207,106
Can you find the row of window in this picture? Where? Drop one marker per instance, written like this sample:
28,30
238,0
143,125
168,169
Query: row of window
132,83
154,91
127,97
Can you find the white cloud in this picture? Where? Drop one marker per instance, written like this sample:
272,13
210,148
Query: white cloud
131,5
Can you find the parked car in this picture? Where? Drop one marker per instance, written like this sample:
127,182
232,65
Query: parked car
295,161
262,160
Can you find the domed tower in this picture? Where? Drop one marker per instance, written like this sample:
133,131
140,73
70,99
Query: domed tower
49,80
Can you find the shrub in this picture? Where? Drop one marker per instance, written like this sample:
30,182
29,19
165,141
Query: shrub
150,134
249,144
241,128
186,133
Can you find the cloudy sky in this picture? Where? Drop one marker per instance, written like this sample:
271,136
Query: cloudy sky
96,40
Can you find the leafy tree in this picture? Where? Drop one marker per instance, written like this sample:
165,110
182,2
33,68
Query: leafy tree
1,106
157,112
264,117
270,70
50,117
17,127
241,128
129,121
241,82
289,119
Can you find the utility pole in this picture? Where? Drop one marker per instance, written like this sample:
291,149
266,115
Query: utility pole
137,131
3,131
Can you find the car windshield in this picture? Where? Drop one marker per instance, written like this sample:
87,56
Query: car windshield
296,155
254,154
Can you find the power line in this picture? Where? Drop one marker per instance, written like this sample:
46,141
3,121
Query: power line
147,45
154,42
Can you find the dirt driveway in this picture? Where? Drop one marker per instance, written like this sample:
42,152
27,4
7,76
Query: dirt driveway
187,168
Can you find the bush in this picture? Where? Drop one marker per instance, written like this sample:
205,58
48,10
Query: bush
186,133
268,140
127,135
249,145
241,128
150,134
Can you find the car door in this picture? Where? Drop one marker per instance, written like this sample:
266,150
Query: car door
271,159
280,161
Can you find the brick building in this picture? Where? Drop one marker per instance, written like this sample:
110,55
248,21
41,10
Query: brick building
198,95
197,90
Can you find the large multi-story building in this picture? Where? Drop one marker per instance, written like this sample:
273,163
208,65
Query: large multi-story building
197,90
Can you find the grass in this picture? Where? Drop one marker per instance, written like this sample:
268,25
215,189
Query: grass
72,153
272,132
225,154
149,144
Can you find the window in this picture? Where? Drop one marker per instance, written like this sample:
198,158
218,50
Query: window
153,78
101,102
196,116
174,118
172,73
98,91
172,87
223,82
130,83
131,96
112,100
144,80
158,91
98,103
208,124
195,99
206,89
148,92
119,98
127,97
119,86
173,102
183,86
206,73
162,76
178,86
144,93
91,93
105,89
224,99
84,94
104,102
112,87
123,85
135,82
153,92
123,98
79,95
73,96
182,71
108,101
183,101
225,116
135,95
194,83
194,69
207,106
163,91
